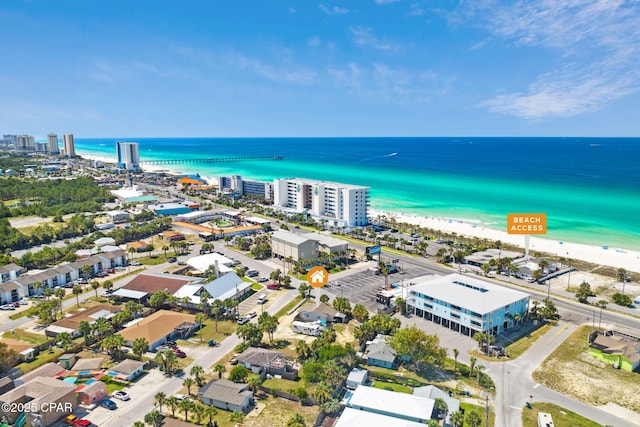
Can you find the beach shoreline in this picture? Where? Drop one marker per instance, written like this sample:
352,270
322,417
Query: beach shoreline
613,257
618,258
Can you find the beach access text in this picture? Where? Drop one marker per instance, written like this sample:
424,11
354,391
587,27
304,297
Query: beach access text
527,223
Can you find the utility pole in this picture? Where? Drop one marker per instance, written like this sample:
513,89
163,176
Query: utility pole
486,410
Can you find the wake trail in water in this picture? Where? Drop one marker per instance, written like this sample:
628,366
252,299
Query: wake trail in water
376,157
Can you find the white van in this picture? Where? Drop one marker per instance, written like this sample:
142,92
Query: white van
262,299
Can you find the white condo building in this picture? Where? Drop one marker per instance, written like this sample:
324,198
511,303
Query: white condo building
25,143
69,147
128,155
52,144
340,204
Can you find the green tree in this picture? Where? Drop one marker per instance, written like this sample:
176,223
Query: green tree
86,271
323,392
301,393
342,304
84,328
113,344
455,360
250,334
198,374
201,318
268,324
154,418
210,412
140,346
331,406
186,405
238,374
418,347
472,418
254,381
159,399
172,402
220,369
456,418
95,285
584,292
296,420
65,340
472,365
77,290
236,417
324,298
188,383
360,313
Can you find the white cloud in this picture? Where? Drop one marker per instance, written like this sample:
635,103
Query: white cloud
480,44
364,37
314,41
567,92
416,10
335,10
382,2
594,46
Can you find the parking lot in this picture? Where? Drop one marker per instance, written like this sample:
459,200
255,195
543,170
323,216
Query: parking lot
361,287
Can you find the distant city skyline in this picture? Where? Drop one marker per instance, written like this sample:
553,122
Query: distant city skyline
138,69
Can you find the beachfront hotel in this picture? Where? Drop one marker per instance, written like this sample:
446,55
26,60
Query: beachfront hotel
467,304
52,144
128,155
341,205
69,148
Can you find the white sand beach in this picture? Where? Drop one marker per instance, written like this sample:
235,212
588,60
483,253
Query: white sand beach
629,260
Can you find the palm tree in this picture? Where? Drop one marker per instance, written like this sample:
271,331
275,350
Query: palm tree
95,285
188,383
253,381
186,405
154,418
455,360
199,411
37,286
85,328
210,412
60,293
197,372
220,369
456,418
472,365
236,417
172,402
331,406
323,392
200,319
77,290
160,398
296,420
479,368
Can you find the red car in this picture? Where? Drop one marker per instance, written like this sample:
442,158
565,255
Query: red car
273,286
82,423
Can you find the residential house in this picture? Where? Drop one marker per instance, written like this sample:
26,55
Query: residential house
160,327
227,395
357,418
379,353
71,324
433,392
263,361
390,403
51,398
311,311
129,369
91,392
357,377
229,285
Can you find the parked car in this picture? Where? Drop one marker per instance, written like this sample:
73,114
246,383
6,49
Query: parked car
172,259
252,273
252,314
181,354
242,320
7,307
134,263
263,279
122,395
109,404
182,263
234,359
162,348
274,286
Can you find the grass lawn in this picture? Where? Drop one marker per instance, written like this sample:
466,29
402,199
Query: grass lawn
284,310
515,349
41,359
24,336
257,287
278,411
155,260
282,384
572,371
481,411
391,386
561,416
225,328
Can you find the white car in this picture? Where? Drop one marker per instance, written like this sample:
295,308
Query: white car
122,395
7,307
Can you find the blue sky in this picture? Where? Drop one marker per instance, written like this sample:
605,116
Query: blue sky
304,68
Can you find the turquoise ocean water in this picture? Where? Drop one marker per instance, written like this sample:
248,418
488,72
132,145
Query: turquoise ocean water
588,187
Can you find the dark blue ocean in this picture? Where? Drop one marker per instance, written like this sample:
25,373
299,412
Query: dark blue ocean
588,187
